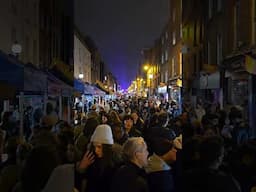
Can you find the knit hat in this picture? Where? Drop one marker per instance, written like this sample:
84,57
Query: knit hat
103,134
161,146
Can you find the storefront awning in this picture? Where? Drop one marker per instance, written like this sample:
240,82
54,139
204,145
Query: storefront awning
12,72
56,87
78,85
98,91
100,86
89,90
234,63
35,80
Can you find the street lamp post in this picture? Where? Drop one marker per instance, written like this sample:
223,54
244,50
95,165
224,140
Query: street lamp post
150,77
16,49
149,70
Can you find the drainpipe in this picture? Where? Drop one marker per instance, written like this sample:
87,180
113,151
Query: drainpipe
252,105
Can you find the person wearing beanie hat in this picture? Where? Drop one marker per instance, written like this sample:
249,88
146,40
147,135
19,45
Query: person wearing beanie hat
159,172
103,135
98,163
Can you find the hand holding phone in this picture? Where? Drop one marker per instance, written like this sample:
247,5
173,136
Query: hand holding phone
87,160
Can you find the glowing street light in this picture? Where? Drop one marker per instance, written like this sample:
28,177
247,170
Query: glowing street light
146,67
179,83
81,76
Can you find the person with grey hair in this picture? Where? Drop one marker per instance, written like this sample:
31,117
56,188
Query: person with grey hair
131,176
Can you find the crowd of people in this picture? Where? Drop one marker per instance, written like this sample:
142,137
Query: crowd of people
131,144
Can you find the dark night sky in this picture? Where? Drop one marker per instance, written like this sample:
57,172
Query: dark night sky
120,29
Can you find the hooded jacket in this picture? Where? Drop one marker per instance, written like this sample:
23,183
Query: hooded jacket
159,175
61,179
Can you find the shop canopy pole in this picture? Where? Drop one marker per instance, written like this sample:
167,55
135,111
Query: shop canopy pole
45,102
6,105
21,109
69,113
60,107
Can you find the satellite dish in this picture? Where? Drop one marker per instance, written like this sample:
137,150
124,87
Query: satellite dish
16,48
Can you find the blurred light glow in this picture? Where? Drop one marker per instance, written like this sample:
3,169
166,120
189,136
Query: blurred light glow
81,76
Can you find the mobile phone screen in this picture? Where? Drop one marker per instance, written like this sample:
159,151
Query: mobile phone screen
91,148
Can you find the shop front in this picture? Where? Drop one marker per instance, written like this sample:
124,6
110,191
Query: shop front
162,91
240,85
60,95
236,80
174,92
210,87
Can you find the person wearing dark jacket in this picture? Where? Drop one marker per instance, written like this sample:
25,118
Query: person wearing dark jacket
131,176
138,123
208,177
98,164
129,129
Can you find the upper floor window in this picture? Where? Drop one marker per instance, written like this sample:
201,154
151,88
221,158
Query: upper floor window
236,23
14,7
173,66
166,55
181,30
173,15
14,35
209,53
173,38
219,5
201,31
35,51
195,32
210,6
219,49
